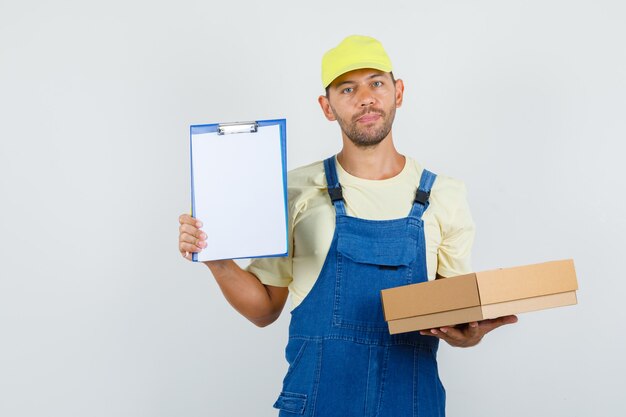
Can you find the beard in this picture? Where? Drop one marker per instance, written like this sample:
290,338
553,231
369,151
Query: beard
362,136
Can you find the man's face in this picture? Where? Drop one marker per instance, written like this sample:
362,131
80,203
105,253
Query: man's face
364,104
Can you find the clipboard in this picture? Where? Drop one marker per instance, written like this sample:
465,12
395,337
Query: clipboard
239,188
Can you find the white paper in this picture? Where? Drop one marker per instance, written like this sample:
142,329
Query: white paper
238,193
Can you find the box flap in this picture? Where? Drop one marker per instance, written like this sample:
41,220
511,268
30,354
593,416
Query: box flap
430,321
429,297
492,311
508,284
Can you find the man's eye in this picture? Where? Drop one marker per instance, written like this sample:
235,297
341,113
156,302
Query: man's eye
347,90
377,83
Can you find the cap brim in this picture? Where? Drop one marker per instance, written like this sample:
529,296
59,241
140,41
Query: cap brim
371,64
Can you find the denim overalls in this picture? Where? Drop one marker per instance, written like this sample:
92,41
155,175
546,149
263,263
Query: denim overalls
342,360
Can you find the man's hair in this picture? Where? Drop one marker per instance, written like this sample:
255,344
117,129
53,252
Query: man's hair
393,80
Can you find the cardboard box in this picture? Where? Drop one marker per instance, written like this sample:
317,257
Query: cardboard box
480,296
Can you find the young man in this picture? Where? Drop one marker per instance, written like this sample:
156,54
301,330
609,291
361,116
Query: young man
367,219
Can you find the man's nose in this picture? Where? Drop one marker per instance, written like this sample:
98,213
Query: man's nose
365,98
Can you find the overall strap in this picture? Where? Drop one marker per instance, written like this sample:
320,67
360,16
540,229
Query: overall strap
420,204
334,188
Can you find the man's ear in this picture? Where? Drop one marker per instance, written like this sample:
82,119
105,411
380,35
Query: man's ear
399,92
326,109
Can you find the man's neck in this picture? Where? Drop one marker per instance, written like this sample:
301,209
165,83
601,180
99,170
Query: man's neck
375,163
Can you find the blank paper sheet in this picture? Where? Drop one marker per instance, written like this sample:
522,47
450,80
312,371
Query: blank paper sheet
239,193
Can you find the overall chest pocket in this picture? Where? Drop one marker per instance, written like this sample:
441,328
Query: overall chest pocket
367,264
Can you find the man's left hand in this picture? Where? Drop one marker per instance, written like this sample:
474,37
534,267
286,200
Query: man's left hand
467,335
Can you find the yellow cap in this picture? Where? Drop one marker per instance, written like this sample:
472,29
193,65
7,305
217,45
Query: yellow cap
354,52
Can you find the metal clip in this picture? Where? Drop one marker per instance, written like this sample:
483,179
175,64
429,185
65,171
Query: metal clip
237,127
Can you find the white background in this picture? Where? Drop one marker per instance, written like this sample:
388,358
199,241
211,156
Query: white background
525,101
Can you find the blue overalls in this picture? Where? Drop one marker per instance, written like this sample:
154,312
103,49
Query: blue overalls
342,360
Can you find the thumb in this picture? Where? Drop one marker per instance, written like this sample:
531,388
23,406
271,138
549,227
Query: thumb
501,321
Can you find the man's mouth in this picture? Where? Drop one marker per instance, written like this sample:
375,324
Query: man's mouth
369,117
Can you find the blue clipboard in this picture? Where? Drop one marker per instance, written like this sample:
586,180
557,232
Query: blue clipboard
239,188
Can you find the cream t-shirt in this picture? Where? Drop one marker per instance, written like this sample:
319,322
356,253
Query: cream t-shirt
448,225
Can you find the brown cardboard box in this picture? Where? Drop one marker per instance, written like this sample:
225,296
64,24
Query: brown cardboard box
480,296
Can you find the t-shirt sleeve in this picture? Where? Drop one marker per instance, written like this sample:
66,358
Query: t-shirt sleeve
454,255
276,272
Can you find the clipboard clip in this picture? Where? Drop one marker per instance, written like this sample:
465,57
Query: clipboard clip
237,127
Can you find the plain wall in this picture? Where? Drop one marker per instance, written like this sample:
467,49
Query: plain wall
525,101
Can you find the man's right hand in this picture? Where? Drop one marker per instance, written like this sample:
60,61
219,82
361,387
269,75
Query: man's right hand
190,238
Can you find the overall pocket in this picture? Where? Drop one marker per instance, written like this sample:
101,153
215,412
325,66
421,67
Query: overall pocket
367,264
300,383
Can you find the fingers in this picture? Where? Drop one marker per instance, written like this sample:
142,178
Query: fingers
469,334
453,331
444,333
492,324
461,336
456,336
187,219
191,232
193,236
448,334
509,319
471,331
430,332
189,247
190,239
